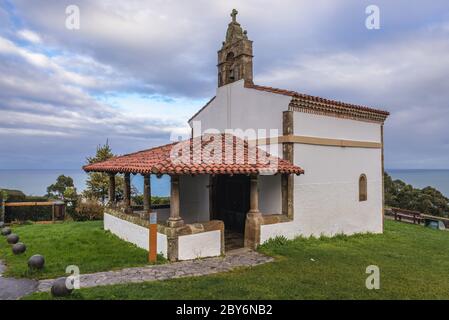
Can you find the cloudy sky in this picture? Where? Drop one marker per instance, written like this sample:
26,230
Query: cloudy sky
135,71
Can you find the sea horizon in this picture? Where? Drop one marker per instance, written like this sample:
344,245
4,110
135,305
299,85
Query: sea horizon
35,181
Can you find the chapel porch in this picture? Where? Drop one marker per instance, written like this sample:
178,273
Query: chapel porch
214,198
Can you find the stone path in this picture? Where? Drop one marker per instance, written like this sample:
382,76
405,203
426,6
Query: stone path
12,289
233,259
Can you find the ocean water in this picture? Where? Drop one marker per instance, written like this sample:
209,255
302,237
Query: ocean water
35,182
420,178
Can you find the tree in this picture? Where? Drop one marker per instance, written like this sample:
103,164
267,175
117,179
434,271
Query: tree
56,190
428,200
97,182
70,194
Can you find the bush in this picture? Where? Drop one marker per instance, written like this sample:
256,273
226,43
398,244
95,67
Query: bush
278,241
160,200
12,195
86,210
137,200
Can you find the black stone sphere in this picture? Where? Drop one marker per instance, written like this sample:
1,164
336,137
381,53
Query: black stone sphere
19,248
12,238
36,262
59,288
6,231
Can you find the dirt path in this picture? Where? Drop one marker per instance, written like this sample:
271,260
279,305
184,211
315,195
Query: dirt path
201,267
12,289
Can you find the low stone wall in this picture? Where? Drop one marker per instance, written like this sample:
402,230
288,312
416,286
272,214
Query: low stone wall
200,245
190,241
134,233
274,225
196,240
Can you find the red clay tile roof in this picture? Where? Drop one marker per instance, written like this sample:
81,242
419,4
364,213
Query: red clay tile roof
313,104
209,154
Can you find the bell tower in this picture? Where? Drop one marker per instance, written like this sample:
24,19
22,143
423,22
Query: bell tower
235,58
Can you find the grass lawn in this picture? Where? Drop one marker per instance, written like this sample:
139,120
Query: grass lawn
413,262
84,244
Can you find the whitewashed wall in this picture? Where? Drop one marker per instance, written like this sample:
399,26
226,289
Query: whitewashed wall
313,125
199,245
326,197
194,198
270,197
134,233
237,107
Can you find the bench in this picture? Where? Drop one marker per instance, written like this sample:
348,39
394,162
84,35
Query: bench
412,216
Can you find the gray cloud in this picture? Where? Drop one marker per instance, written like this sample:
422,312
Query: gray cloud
51,94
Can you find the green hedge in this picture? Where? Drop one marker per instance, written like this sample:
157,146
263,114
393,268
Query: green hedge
28,213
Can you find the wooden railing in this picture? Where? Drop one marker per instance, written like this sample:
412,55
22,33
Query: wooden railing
412,216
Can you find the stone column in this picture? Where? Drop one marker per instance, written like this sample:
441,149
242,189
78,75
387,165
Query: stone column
254,218
127,193
175,220
111,193
287,195
147,193
254,194
172,247
287,180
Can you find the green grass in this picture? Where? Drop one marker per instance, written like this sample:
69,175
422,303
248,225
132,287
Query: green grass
413,261
84,244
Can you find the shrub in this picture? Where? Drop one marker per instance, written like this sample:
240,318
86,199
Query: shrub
160,200
138,200
89,209
12,195
278,241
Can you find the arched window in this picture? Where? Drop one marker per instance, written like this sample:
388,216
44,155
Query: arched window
231,75
363,188
230,57
230,63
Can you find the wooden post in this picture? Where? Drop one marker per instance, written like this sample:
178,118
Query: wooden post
152,252
147,193
175,220
53,213
127,191
111,193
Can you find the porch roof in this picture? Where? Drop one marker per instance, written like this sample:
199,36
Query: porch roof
208,154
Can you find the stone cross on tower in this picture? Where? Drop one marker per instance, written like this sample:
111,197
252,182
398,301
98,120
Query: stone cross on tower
234,15
235,58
